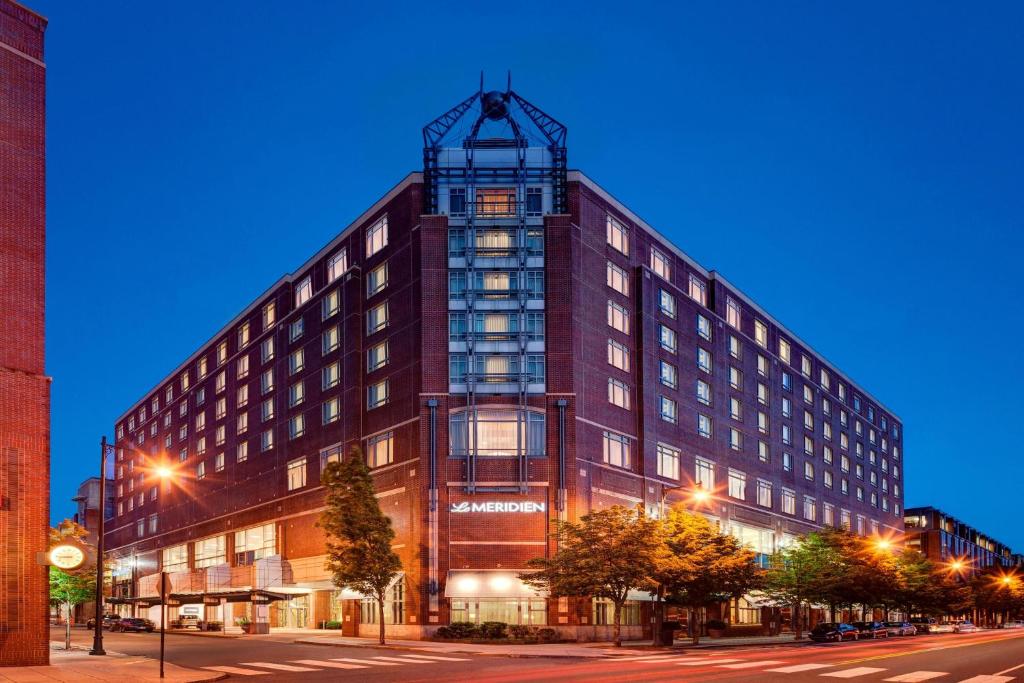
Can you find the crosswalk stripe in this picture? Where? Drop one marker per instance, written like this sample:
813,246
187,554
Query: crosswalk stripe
988,678
751,665
706,662
400,661
796,668
362,661
332,665
439,659
854,672
279,667
916,676
238,671
646,658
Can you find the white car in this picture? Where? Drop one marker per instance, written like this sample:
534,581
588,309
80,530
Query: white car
1012,624
941,628
965,627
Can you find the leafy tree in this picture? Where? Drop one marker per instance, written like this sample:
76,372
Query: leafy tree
998,592
702,565
801,574
916,583
606,554
70,588
359,534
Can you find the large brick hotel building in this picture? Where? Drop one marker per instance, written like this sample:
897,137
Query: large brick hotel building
507,344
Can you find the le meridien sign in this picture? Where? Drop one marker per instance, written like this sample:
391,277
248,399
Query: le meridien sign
498,506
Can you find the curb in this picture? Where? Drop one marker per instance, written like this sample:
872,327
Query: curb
409,648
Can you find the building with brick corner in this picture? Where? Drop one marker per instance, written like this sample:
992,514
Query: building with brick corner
24,386
507,344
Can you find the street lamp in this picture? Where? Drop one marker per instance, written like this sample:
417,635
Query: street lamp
165,473
97,632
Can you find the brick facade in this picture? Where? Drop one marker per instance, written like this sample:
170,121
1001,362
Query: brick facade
24,388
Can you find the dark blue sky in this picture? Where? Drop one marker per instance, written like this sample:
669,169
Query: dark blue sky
857,170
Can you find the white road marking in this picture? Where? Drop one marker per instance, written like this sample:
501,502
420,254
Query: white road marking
238,671
1012,668
332,665
646,658
796,668
917,676
400,661
706,662
279,667
988,678
363,661
854,672
751,665
440,659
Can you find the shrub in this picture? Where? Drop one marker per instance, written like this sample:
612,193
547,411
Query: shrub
443,632
332,624
717,624
494,630
242,621
520,632
547,635
461,629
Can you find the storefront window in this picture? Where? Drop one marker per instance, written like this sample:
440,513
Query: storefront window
175,558
394,607
531,612
604,613
210,552
745,613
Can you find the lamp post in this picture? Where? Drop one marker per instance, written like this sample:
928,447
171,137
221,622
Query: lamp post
97,633
164,473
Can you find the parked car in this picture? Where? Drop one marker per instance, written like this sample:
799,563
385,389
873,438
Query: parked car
1012,624
108,621
900,628
941,628
134,624
833,632
965,627
923,624
871,629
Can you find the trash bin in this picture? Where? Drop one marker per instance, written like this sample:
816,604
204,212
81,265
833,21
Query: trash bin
668,629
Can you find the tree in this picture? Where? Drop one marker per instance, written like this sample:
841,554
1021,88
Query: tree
802,573
359,534
702,565
70,588
606,554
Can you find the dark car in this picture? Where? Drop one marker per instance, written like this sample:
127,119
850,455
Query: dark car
833,632
871,629
134,624
923,624
108,621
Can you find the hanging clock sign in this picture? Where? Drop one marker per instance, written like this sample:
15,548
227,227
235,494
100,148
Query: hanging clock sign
66,556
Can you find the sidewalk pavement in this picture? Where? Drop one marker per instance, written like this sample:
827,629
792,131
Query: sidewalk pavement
77,666
581,650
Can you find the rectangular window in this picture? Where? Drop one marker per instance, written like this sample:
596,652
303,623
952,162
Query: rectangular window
296,426
222,357
330,341
243,335
534,201
380,449
296,394
668,462
737,485
704,360
377,237
703,327
331,375
788,502
617,279
618,355
735,349
668,409
201,470
267,349
269,315
809,470
377,394
703,392
698,290
200,373
762,422
267,440
330,305
805,366
667,303
668,374
377,318
618,393
667,338
764,493
296,361
331,410
377,280
376,356
242,452
732,312
337,265
735,378
761,334
617,235
242,367
810,509
618,317
735,439
296,474
267,409
660,265
295,331
704,474
784,351
616,450
763,454
704,425
303,291
735,409
457,201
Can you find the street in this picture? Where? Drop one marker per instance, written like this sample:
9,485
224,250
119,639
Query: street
984,657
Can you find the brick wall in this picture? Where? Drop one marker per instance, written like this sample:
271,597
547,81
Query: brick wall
24,390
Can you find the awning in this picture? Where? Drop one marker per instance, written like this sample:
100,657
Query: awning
640,596
257,596
488,583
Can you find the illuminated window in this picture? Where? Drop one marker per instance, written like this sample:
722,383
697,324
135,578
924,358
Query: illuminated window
267,348
267,381
337,265
660,264
267,440
704,426
618,355
269,315
330,341
618,393
267,409
377,279
377,356
222,357
737,484
496,202
377,394
703,327
296,394
616,449
698,290
735,439
175,558
331,410
668,461
296,361
703,392
704,474
380,449
732,312
243,335
617,235
377,237
667,303
784,350
498,432
377,318
303,291
242,452
764,493
761,334
788,502
618,317
297,427
810,509
255,543
667,338
331,375
668,374
296,474
704,360
668,409
617,278
200,372
329,306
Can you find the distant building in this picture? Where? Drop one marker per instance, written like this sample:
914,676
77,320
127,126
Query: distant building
24,386
944,539
88,501
507,343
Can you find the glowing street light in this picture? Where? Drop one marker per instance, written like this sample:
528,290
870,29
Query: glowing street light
164,472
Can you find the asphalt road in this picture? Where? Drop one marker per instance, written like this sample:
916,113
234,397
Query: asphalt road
985,657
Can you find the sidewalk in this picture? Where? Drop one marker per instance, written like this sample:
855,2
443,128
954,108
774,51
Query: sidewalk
77,666
581,650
